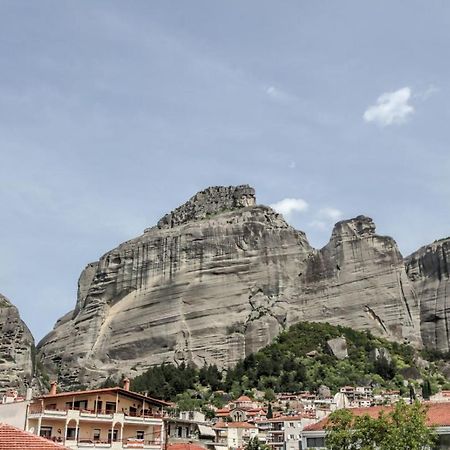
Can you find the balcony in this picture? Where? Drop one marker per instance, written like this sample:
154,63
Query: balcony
37,411
126,444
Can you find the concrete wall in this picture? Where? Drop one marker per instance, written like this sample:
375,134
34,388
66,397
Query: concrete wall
14,413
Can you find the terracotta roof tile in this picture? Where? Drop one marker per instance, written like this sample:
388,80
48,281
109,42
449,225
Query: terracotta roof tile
438,415
184,446
12,438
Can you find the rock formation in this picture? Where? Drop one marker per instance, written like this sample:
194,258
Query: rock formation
428,269
16,349
217,279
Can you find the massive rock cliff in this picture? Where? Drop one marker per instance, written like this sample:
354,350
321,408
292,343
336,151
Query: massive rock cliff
429,269
16,349
218,278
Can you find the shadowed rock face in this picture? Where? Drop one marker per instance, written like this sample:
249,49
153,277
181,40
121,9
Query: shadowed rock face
428,269
16,349
219,278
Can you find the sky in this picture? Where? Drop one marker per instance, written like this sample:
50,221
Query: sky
113,113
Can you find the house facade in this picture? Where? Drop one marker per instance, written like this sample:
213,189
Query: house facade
438,416
105,418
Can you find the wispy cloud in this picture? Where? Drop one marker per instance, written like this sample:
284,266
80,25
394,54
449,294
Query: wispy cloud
391,108
278,94
287,206
427,93
325,218
330,213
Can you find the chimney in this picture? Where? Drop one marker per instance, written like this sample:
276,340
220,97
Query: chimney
126,384
53,388
29,394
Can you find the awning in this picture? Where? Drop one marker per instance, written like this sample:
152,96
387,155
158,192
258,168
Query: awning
206,431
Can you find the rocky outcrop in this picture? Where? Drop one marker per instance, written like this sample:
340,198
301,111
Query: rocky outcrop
428,269
358,279
217,279
207,284
338,347
16,349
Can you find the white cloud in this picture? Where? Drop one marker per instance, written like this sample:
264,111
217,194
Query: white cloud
427,93
391,108
318,224
292,165
330,213
289,205
277,94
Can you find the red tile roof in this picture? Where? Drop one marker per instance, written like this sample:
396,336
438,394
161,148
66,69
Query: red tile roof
12,438
222,425
184,446
243,398
112,390
438,415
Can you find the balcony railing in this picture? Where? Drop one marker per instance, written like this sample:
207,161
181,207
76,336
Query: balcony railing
93,443
107,414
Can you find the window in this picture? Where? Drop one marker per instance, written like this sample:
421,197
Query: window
112,435
78,404
96,434
292,436
315,442
140,435
71,433
46,432
292,424
110,407
51,406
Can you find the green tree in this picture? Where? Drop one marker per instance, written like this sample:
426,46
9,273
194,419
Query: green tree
426,389
255,444
269,411
403,428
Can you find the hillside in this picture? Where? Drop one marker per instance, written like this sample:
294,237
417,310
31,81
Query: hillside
300,359
217,279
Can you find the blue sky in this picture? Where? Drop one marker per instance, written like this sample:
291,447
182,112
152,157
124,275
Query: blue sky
113,113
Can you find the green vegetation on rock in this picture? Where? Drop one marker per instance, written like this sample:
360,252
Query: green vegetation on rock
299,359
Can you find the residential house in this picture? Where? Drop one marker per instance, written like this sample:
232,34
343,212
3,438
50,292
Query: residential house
438,416
189,427
234,435
110,417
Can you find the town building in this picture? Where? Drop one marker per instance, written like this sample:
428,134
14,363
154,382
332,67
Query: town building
234,435
189,427
15,438
438,416
111,417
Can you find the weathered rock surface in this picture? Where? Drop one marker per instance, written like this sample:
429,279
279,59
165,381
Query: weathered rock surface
16,349
338,347
428,269
207,284
217,279
359,280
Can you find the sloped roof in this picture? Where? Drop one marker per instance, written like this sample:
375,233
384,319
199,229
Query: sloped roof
184,446
221,425
112,390
243,398
438,415
12,438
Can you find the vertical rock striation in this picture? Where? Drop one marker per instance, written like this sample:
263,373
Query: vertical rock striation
428,269
359,279
218,278
16,349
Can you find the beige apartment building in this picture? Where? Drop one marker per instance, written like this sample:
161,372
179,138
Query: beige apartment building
114,418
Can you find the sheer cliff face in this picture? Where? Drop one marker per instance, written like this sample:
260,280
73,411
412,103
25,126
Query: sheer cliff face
16,349
429,270
207,284
217,279
358,279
